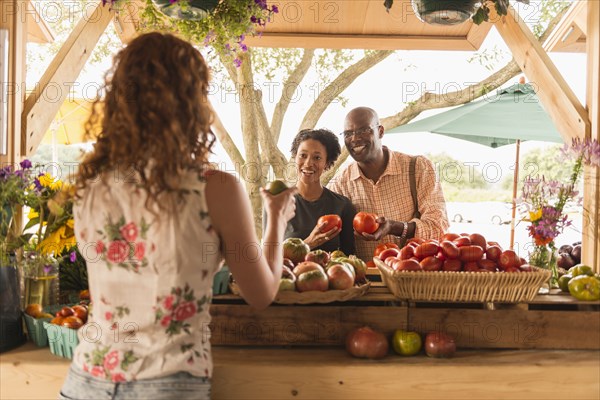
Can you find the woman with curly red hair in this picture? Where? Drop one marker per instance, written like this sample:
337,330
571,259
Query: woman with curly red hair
153,222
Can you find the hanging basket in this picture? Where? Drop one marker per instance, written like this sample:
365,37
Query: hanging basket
195,10
445,12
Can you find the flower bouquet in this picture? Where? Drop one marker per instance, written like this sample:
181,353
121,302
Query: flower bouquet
546,200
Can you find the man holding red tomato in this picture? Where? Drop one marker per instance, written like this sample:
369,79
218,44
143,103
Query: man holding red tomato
378,183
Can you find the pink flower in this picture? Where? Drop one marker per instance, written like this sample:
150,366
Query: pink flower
119,377
185,311
129,232
166,320
118,251
111,360
97,371
86,368
140,250
168,302
108,315
99,247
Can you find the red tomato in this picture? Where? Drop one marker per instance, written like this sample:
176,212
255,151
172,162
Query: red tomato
331,221
365,222
407,252
449,249
407,265
452,265
450,236
392,252
478,240
470,253
462,241
365,342
383,246
431,263
426,250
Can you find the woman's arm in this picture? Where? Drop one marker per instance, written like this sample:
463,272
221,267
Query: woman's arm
256,268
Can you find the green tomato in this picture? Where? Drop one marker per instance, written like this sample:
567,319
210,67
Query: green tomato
406,343
563,283
580,269
585,288
275,187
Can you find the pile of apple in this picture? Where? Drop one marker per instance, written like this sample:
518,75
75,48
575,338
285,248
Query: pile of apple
71,316
305,270
454,252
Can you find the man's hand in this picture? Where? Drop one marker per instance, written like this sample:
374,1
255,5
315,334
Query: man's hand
385,227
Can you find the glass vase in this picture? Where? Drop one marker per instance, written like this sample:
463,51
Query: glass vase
546,257
40,276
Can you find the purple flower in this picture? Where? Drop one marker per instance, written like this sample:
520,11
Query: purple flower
25,164
243,47
237,62
47,268
253,19
37,184
275,9
73,256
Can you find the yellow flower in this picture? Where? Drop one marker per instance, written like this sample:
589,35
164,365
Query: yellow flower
50,182
32,214
535,215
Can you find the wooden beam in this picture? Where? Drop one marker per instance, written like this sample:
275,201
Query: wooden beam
37,29
569,116
374,42
566,32
44,102
127,20
591,187
13,18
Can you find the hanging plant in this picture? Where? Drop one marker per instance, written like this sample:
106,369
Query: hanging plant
453,12
221,25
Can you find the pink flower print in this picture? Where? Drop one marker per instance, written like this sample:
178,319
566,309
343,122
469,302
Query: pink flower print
185,311
166,320
86,368
108,316
97,371
111,360
152,247
114,326
119,377
118,251
140,250
99,247
129,232
168,302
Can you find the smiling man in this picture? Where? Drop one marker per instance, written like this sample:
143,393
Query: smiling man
379,182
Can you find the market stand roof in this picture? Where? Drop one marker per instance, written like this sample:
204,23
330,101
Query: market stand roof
363,24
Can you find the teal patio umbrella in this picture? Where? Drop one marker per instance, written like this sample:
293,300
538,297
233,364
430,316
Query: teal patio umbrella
512,115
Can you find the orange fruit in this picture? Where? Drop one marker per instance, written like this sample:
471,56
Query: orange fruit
35,310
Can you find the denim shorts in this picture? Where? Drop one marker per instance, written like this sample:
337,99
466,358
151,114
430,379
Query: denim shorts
182,385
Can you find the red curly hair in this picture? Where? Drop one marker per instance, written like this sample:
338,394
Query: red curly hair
155,117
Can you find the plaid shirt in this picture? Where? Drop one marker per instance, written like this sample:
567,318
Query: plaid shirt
390,197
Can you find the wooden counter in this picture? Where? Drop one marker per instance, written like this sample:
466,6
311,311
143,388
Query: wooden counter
329,373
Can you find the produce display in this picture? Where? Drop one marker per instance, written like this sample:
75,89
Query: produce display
453,252
581,282
318,270
366,342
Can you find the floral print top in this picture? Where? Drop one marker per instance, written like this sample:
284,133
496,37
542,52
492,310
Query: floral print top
150,280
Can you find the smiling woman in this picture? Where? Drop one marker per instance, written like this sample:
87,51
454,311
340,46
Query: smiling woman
315,151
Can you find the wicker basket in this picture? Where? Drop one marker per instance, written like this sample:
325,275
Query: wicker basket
463,286
314,297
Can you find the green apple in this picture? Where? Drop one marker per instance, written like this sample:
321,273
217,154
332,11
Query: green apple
406,343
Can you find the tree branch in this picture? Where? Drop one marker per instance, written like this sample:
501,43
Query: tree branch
289,87
340,84
225,139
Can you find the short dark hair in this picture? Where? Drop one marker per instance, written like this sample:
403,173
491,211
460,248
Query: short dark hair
326,137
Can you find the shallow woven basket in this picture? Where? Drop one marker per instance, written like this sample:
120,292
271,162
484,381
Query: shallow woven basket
504,287
314,297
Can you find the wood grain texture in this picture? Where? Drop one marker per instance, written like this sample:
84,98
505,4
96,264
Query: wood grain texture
310,373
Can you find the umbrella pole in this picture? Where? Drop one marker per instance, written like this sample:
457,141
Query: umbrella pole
514,197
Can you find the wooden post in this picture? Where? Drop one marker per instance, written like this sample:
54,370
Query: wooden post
13,19
43,103
591,187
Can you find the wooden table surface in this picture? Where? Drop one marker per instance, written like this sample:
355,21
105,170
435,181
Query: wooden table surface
330,373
